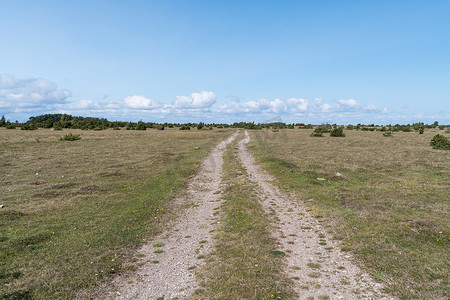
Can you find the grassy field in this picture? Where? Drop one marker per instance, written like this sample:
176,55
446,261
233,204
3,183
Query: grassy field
74,211
247,262
389,207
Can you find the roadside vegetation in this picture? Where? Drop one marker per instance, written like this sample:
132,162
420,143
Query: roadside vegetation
247,263
386,200
73,213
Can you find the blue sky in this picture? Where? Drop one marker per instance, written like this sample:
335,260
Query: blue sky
223,61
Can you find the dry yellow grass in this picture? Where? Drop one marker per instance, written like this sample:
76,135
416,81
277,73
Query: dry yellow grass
74,210
390,207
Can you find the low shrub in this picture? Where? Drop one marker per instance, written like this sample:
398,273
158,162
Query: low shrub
141,126
29,126
316,134
324,128
185,127
440,142
407,129
10,126
337,132
70,137
387,133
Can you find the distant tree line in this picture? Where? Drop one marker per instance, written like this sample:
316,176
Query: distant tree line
61,121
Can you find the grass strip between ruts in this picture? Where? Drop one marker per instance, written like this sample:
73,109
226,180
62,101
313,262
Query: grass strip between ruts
246,263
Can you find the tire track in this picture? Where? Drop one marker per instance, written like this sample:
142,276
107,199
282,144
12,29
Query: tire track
315,262
171,272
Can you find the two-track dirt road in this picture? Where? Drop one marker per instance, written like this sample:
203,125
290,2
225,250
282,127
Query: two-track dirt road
315,263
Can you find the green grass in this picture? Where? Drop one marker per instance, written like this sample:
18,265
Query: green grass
246,263
390,206
76,211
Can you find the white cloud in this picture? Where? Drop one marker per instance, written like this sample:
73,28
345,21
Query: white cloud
140,102
87,104
349,102
25,94
277,106
35,96
370,107
297,104
200,100
325,107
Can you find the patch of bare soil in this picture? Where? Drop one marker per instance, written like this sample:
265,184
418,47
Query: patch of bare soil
315,262
168,262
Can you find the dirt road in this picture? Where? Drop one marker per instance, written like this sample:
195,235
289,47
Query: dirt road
315,263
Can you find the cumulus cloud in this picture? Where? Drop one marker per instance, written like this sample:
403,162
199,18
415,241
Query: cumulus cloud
297,104
349,103
141,102
325,107
353,106
200,100
277,106
36,95
25,94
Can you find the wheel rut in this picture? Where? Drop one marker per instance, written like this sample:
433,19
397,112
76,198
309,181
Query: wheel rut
168,263
315,262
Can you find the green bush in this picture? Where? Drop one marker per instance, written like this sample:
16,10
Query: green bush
185,127
387,133
141,126
421,130
29,126
324,128
70,137
10,126
440,142
338,132
316,134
